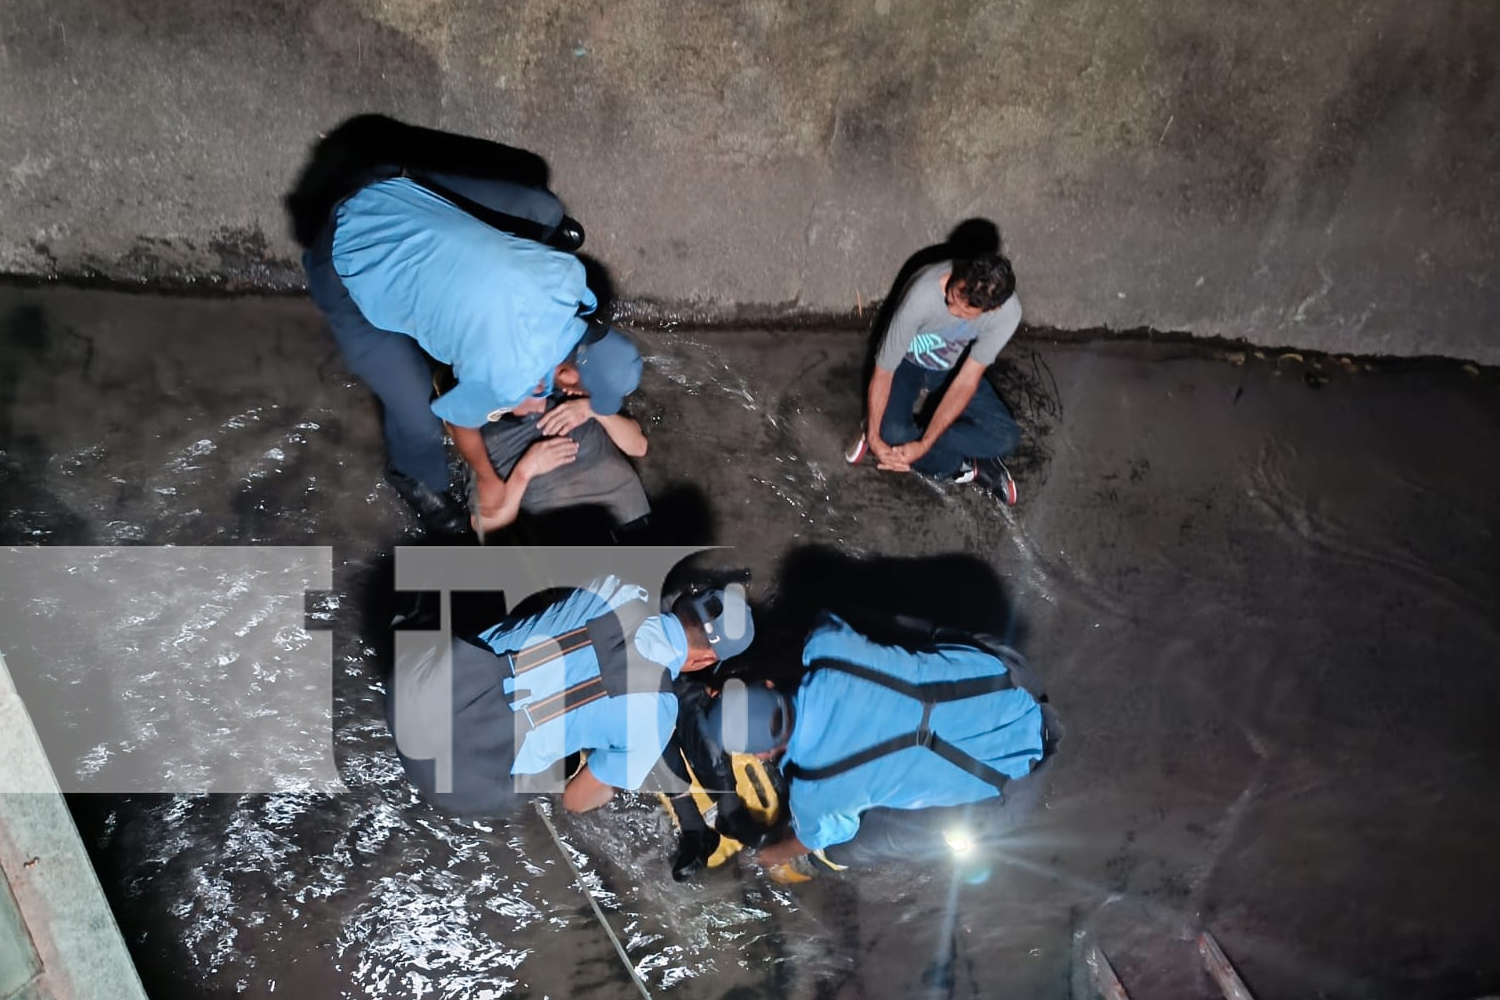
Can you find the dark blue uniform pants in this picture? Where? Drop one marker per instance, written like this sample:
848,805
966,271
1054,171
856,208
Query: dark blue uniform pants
985,429
469,707
395,368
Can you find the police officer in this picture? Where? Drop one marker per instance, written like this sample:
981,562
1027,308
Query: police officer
591,671
416,266
880,727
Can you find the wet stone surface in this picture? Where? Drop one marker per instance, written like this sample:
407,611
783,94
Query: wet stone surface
1262,592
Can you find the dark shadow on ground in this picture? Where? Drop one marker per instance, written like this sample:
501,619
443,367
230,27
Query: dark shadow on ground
883,597
340,162
601,284
32,514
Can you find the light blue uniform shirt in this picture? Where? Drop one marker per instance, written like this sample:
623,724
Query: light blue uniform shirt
624,735
503,311
838,715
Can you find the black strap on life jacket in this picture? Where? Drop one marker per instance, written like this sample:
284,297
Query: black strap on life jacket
930,694
492,217
607,635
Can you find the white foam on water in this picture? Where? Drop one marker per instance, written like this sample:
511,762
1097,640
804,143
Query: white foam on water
90,763
199,448
417,936
245,419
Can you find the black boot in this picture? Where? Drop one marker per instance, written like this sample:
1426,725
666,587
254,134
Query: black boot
736,823
568,235
442,516
637,532
694,849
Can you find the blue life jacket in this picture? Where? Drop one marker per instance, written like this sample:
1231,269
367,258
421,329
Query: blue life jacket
607,634
930,695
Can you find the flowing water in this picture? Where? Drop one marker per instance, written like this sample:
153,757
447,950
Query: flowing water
1265,605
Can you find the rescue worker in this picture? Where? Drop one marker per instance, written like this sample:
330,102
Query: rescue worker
882,727
591,671
417,266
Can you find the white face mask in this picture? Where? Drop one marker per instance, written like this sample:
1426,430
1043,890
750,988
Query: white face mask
654,641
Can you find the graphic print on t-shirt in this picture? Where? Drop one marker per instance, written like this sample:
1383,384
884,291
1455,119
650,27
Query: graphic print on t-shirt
940,351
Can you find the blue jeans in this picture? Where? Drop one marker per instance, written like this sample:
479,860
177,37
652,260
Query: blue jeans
397,370
984,429
392,364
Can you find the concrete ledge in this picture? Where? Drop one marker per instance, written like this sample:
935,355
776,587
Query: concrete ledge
61,942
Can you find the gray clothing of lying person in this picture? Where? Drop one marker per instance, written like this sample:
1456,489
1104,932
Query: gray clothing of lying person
557,456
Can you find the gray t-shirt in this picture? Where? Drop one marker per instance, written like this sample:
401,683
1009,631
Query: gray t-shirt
925,333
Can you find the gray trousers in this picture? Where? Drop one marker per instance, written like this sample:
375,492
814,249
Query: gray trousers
601,477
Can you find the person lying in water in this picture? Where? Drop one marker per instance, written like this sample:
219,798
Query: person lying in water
590,671
881,727
714,784
555,454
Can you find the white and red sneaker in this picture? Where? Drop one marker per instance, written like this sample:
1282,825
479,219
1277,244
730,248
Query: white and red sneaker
857,451
994,476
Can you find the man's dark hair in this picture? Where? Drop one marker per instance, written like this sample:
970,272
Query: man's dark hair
987,280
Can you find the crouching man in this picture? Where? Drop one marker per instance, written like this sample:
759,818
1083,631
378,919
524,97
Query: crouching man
952,321
590,671
877,727
413,269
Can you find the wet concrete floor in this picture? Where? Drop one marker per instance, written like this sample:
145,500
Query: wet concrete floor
1262,591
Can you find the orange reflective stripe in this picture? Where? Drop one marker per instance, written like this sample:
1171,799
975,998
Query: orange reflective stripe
554,706
550,649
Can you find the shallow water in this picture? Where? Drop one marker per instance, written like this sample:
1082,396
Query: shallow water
1264,604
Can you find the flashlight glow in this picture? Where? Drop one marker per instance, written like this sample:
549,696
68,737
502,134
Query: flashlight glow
959,841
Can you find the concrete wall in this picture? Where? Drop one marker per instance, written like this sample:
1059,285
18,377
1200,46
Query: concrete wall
1319,174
